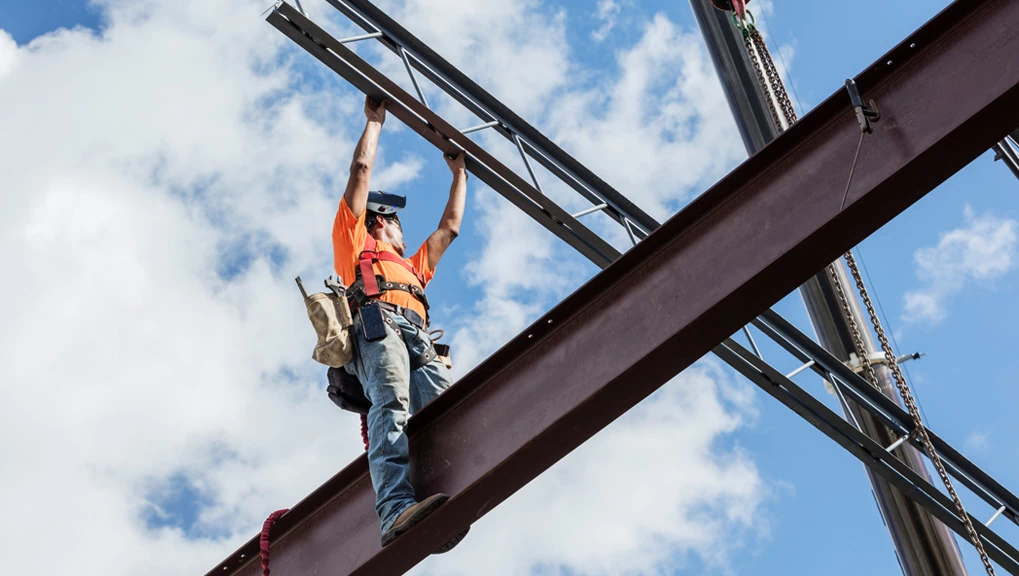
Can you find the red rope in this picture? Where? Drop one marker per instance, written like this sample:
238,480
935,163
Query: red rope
263,540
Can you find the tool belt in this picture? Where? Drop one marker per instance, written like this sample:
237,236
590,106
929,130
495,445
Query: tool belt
411,316
346,391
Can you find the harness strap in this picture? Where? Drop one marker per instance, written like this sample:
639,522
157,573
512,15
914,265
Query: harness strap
390,257
423,358
374,285
364,265
369,252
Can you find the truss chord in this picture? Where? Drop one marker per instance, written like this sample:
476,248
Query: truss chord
479,101
441,134
788,337
863,447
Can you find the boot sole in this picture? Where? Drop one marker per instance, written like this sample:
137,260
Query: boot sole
429,505
452,542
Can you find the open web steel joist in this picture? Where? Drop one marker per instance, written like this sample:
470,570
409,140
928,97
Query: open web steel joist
760,232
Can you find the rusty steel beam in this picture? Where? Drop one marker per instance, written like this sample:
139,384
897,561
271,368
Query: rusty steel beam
944,93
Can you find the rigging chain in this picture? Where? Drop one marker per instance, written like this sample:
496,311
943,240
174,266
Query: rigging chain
756,46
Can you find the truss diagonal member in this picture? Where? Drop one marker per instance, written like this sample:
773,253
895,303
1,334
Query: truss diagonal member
872,454
480,102
441,134
783,333
729,255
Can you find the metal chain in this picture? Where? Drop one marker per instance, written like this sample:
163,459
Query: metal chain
760,77
868,368
919,428
755,44
777,86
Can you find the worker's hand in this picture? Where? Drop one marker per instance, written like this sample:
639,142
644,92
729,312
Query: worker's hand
374,110
456,164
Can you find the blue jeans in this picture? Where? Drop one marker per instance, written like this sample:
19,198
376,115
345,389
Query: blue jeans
383,367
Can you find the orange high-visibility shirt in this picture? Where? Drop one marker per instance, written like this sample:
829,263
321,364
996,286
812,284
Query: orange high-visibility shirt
349,234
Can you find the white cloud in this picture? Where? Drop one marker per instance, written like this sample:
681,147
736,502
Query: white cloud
133,166
516,50
978,441
519,273
164,181
981,251
606,12
660,131
8,53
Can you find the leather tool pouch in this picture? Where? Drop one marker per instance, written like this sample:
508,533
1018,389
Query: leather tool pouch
331,318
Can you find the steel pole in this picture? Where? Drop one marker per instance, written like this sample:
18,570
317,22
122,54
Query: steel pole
923,545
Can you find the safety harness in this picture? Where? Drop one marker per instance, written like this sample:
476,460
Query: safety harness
368,286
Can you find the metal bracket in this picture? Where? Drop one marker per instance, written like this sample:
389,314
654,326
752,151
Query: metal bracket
865,114
876,358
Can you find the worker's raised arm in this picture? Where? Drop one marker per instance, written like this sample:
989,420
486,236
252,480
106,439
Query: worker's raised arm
449,226
356,193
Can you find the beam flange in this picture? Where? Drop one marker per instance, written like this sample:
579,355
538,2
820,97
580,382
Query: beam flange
730,254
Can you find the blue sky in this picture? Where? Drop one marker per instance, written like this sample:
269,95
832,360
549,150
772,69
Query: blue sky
815,512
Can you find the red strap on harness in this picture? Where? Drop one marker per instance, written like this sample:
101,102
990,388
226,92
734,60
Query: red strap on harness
369,256
364,431
263,540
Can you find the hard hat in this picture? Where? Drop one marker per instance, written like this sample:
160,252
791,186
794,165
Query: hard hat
385,203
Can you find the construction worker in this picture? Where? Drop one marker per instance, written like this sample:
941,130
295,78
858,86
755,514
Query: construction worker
395,359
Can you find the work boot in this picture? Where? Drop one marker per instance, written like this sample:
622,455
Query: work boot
415,514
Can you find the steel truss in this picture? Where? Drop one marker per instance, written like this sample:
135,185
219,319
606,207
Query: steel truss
847,384
727,256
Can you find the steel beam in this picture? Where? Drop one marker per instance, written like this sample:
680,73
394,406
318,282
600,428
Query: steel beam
730,254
